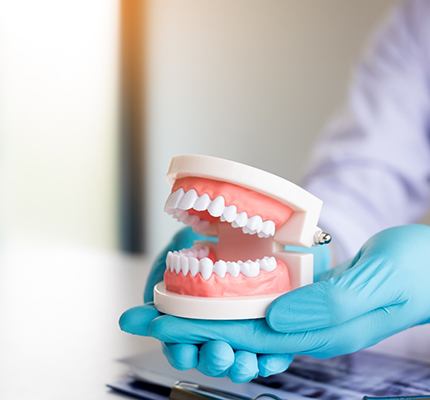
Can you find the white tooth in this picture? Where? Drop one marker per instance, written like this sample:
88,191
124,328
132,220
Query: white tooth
194,266
233,268
254,268
262,235
198,229
240,220
229,214
173,200
192,252
216,207
272,263
268,264
168,260
263,263
195,220
247,231
203,252
254,223
188,200
191,219
180,215
175,263
220,268
250,268
184,217
268,228
206,268
202,203
177,214
201,226
184,267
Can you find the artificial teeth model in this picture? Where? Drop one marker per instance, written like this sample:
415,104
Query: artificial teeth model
254,214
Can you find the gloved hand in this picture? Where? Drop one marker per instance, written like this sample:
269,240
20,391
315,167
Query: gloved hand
214,358
382,291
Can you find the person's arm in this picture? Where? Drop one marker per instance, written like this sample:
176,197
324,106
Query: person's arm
372,165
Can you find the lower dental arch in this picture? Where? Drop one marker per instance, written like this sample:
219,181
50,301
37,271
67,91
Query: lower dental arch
196,260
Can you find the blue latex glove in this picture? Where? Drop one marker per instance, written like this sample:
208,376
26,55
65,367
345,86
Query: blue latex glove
382,291
214,358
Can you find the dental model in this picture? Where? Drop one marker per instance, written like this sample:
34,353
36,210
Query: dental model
254,214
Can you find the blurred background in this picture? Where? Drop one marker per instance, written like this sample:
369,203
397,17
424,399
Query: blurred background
95,97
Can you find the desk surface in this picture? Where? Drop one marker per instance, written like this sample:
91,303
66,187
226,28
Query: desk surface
59,309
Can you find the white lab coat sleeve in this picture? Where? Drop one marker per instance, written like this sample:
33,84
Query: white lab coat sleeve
371,167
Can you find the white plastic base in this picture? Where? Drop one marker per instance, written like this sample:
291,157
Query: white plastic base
229,308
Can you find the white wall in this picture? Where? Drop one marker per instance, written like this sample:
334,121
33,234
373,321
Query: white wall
58,120
250,80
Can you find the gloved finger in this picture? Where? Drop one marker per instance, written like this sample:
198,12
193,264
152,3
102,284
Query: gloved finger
244,368
257,337
250,335
331,302
182,239
272,364
215,358
181,356
137,320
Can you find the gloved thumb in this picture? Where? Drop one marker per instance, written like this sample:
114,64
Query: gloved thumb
333,301
136,320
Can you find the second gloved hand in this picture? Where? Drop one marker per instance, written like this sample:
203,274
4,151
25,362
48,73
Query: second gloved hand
382,291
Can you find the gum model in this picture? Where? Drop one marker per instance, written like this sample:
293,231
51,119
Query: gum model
254,214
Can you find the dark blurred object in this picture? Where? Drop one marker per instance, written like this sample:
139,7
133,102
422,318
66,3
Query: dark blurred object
131,126
397,398
193,391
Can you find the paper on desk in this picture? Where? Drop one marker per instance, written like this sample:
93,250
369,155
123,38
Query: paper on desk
346,377
152,366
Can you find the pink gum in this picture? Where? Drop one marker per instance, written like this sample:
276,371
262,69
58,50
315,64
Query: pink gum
274,282
253,203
